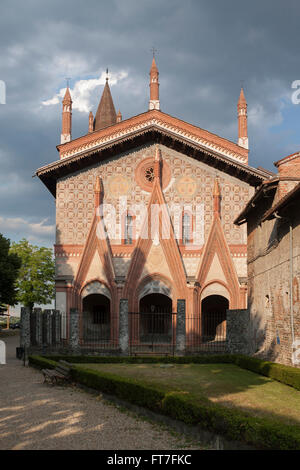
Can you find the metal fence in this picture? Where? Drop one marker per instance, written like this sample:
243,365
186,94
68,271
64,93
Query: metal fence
156,333
152,333
98,331
148,333
206,334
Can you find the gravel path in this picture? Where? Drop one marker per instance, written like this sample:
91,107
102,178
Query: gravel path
34,415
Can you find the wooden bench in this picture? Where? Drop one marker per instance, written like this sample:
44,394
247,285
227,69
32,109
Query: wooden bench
61,373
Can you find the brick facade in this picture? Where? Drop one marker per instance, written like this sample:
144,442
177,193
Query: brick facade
274,273
152,159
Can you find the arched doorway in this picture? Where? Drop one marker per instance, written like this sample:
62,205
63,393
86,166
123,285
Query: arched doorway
213,316
155,318
96,318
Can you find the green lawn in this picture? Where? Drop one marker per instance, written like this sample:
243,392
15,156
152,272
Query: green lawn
226,384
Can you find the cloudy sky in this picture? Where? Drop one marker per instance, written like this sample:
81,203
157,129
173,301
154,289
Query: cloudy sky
205,48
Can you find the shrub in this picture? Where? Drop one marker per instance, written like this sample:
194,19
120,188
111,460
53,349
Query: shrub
203,359
234,424
135,392
41,362
231,423
285,374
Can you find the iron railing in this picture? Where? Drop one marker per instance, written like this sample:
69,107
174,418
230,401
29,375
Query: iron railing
206,334
149,333
152,333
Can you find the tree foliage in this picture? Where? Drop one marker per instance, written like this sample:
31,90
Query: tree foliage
10,264
35,283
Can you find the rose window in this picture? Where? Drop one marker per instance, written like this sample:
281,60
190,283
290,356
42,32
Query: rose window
149,174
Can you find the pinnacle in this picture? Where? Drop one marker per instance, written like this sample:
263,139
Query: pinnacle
242,98
67,97
106,113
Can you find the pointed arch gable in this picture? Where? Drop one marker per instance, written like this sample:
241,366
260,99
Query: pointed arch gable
217,245
96,242
169,246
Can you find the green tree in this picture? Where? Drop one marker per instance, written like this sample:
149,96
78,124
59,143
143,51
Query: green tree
10,265
35,283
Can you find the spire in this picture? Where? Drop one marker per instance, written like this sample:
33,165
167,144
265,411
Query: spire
217,197
91,122
66,131
106,113
119,116
154,87
242,121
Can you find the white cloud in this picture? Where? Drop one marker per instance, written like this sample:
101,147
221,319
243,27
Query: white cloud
38,232
82,90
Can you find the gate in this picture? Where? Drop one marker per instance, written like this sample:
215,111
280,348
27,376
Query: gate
153,333
206,334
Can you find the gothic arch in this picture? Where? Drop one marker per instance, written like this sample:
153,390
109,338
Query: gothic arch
95,286
166,288
216,287
217,245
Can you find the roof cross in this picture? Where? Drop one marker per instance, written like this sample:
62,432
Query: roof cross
68,81
153,50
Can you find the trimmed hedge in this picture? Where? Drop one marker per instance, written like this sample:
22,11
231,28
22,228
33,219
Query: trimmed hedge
264,433
234,424
284,374
131,390
203,359
41,362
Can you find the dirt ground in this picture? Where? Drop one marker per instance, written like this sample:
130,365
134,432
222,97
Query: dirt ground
34,415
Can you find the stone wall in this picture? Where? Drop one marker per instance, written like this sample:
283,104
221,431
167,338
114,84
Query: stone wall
238,332
273,281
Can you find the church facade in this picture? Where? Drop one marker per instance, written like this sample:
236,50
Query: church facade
145,211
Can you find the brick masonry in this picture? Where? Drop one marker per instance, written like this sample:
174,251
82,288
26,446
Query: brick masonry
274,281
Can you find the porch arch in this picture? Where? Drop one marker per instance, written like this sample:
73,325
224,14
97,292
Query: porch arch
216,287
154,284
95,287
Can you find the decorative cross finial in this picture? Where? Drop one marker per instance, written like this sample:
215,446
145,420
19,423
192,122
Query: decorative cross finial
242,83
153,50
107,74
68,81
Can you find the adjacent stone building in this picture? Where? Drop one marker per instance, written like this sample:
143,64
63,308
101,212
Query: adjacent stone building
144,212
273,221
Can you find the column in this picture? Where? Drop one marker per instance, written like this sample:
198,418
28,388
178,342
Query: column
48,326
57,326
25,327
38,326
123,327
180,327
74,328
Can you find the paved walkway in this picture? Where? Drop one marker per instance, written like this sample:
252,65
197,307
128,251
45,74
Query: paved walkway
34,415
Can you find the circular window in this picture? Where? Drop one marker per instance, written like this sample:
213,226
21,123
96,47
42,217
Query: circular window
144,174
149,174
